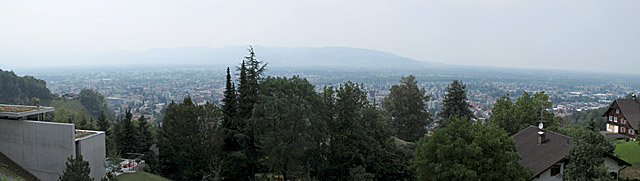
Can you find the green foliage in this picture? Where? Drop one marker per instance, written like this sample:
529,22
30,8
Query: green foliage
586,158
93,102
590,118
406,111
21,90
143,136
467,150
232,158
526,111
76,169
103,123
187,141
251,71
126,135
455,101
352,133
283,115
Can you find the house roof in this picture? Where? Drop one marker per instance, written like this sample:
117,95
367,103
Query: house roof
630,109
620,161
539,157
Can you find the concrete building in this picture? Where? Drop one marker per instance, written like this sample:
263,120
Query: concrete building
42,148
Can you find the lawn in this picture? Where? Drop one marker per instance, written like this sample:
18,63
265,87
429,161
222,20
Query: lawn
139,175
630,152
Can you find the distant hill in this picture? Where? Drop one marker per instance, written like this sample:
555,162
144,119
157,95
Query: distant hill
20,90
276,57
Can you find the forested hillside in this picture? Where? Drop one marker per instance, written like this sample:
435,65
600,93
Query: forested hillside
15,89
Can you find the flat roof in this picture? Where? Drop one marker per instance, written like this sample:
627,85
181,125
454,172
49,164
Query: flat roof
84,134
16,111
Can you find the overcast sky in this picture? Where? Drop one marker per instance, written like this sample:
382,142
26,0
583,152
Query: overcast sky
590,35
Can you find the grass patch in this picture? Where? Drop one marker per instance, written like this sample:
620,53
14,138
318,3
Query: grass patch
140,175
629,151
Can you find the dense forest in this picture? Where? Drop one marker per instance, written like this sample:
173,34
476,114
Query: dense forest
19,90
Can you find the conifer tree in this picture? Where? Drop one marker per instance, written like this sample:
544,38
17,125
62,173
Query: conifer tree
251,71
406,111
76,169
127,135
144,139
455,102
232,159
103,124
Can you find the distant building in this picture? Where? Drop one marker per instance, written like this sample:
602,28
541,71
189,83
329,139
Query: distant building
42,148
544,153
622,116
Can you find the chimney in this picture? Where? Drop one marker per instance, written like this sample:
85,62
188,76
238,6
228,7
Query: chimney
541,137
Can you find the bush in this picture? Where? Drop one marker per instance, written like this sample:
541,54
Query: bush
627,139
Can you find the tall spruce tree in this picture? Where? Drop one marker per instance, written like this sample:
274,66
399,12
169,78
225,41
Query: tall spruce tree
144,138
234,161
455,102
76,169
251,71
127,135
406,111
103,123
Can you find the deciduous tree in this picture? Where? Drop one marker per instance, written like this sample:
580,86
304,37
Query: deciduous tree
467,150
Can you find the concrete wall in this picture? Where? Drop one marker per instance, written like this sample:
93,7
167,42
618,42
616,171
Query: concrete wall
92,148
40,147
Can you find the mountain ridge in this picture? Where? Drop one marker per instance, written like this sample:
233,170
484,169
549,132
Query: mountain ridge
336,56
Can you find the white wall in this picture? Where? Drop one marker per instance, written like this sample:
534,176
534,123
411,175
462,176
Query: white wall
41,148
92,149
612,165
546,175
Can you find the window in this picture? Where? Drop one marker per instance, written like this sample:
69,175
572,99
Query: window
623,121
555,170
617,111
615,119
631,131
610,118
622,129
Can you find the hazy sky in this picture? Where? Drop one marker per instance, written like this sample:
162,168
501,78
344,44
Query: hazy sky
602,35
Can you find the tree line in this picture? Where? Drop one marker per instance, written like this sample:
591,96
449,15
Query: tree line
278,127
